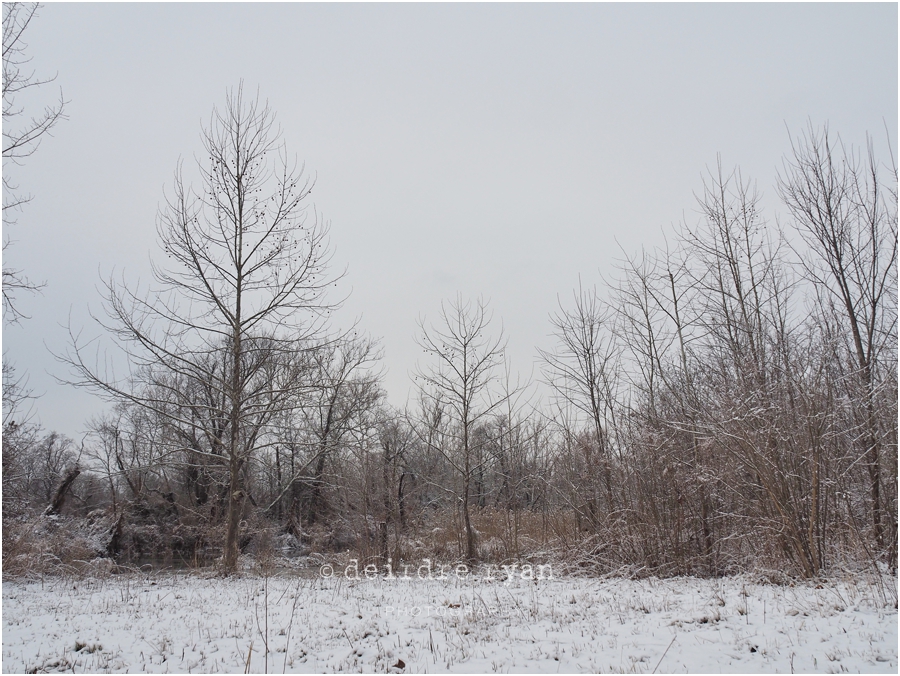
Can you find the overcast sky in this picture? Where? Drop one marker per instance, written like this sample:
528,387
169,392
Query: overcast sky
495,150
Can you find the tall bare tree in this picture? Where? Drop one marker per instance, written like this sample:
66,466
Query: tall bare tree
465,358
845,209
582,370
243,287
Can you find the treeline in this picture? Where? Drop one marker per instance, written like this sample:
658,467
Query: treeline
726,403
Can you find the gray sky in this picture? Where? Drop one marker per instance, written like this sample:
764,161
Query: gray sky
499,150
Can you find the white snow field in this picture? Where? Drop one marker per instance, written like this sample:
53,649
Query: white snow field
200,623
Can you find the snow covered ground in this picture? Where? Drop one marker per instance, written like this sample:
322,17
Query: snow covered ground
200,623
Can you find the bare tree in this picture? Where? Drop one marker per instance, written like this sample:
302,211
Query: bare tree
846,212
21,136
466,358
582,370
659,326
243,288
19,438
754,370
345,387
395,439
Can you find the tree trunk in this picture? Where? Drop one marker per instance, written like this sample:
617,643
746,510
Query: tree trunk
471,549
232,531
401,502
313,507
235,495
62,490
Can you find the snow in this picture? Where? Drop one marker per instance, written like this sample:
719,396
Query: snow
193,622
